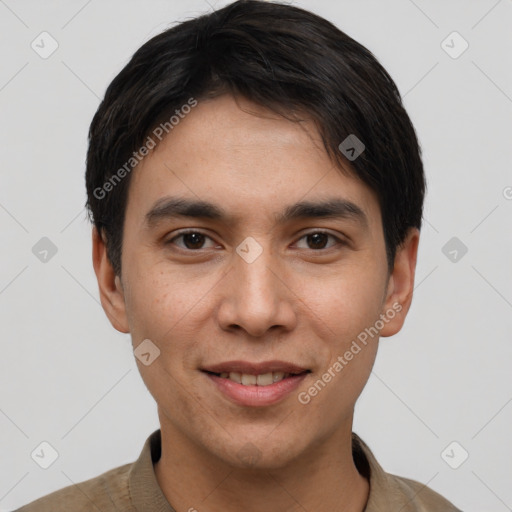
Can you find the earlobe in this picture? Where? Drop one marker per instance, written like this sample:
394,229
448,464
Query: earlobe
109,284
401,284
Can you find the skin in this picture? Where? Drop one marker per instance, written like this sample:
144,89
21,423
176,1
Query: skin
301,300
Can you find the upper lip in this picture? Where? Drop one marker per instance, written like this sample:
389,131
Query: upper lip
254,368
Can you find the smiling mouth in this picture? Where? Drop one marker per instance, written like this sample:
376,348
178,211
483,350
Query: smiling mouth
264,379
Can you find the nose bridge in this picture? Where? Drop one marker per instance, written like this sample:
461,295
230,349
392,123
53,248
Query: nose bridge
255,298
254,268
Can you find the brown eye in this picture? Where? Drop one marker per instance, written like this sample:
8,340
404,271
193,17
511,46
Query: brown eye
318,240
191,240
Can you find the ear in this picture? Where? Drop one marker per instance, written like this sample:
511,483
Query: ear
110,286
400,285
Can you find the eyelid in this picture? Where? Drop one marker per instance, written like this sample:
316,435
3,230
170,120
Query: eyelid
339,240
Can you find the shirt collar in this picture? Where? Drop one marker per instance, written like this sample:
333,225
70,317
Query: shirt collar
385,490
145,492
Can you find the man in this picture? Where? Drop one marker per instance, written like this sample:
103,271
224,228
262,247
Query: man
256,189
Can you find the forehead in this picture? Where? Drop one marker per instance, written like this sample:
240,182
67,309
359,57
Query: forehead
234,153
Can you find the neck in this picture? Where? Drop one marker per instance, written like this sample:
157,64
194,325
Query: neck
325,479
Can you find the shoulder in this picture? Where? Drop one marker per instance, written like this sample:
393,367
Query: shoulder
421,498
105,492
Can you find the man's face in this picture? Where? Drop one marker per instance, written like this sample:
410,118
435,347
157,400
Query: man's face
289,293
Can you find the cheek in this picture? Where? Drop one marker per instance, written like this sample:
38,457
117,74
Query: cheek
170,308
159,301
347,301
166,308
349,305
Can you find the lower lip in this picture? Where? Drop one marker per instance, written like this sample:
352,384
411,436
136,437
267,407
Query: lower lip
256,396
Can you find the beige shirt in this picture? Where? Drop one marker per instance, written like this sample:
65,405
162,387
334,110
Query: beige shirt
134,488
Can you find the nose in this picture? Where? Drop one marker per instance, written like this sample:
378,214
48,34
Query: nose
257,295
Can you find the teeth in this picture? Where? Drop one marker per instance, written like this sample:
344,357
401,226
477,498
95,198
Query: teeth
249,380
265,379
277,376
237,377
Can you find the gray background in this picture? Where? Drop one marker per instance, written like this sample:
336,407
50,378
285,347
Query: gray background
68,378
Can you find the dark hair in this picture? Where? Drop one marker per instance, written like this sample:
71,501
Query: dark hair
282,57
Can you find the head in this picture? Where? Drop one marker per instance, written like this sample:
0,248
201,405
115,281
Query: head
303,245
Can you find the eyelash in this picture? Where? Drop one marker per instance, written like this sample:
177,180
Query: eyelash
339,241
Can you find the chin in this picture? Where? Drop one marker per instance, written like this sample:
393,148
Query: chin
261,455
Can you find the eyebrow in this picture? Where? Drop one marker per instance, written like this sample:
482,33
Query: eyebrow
335,208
